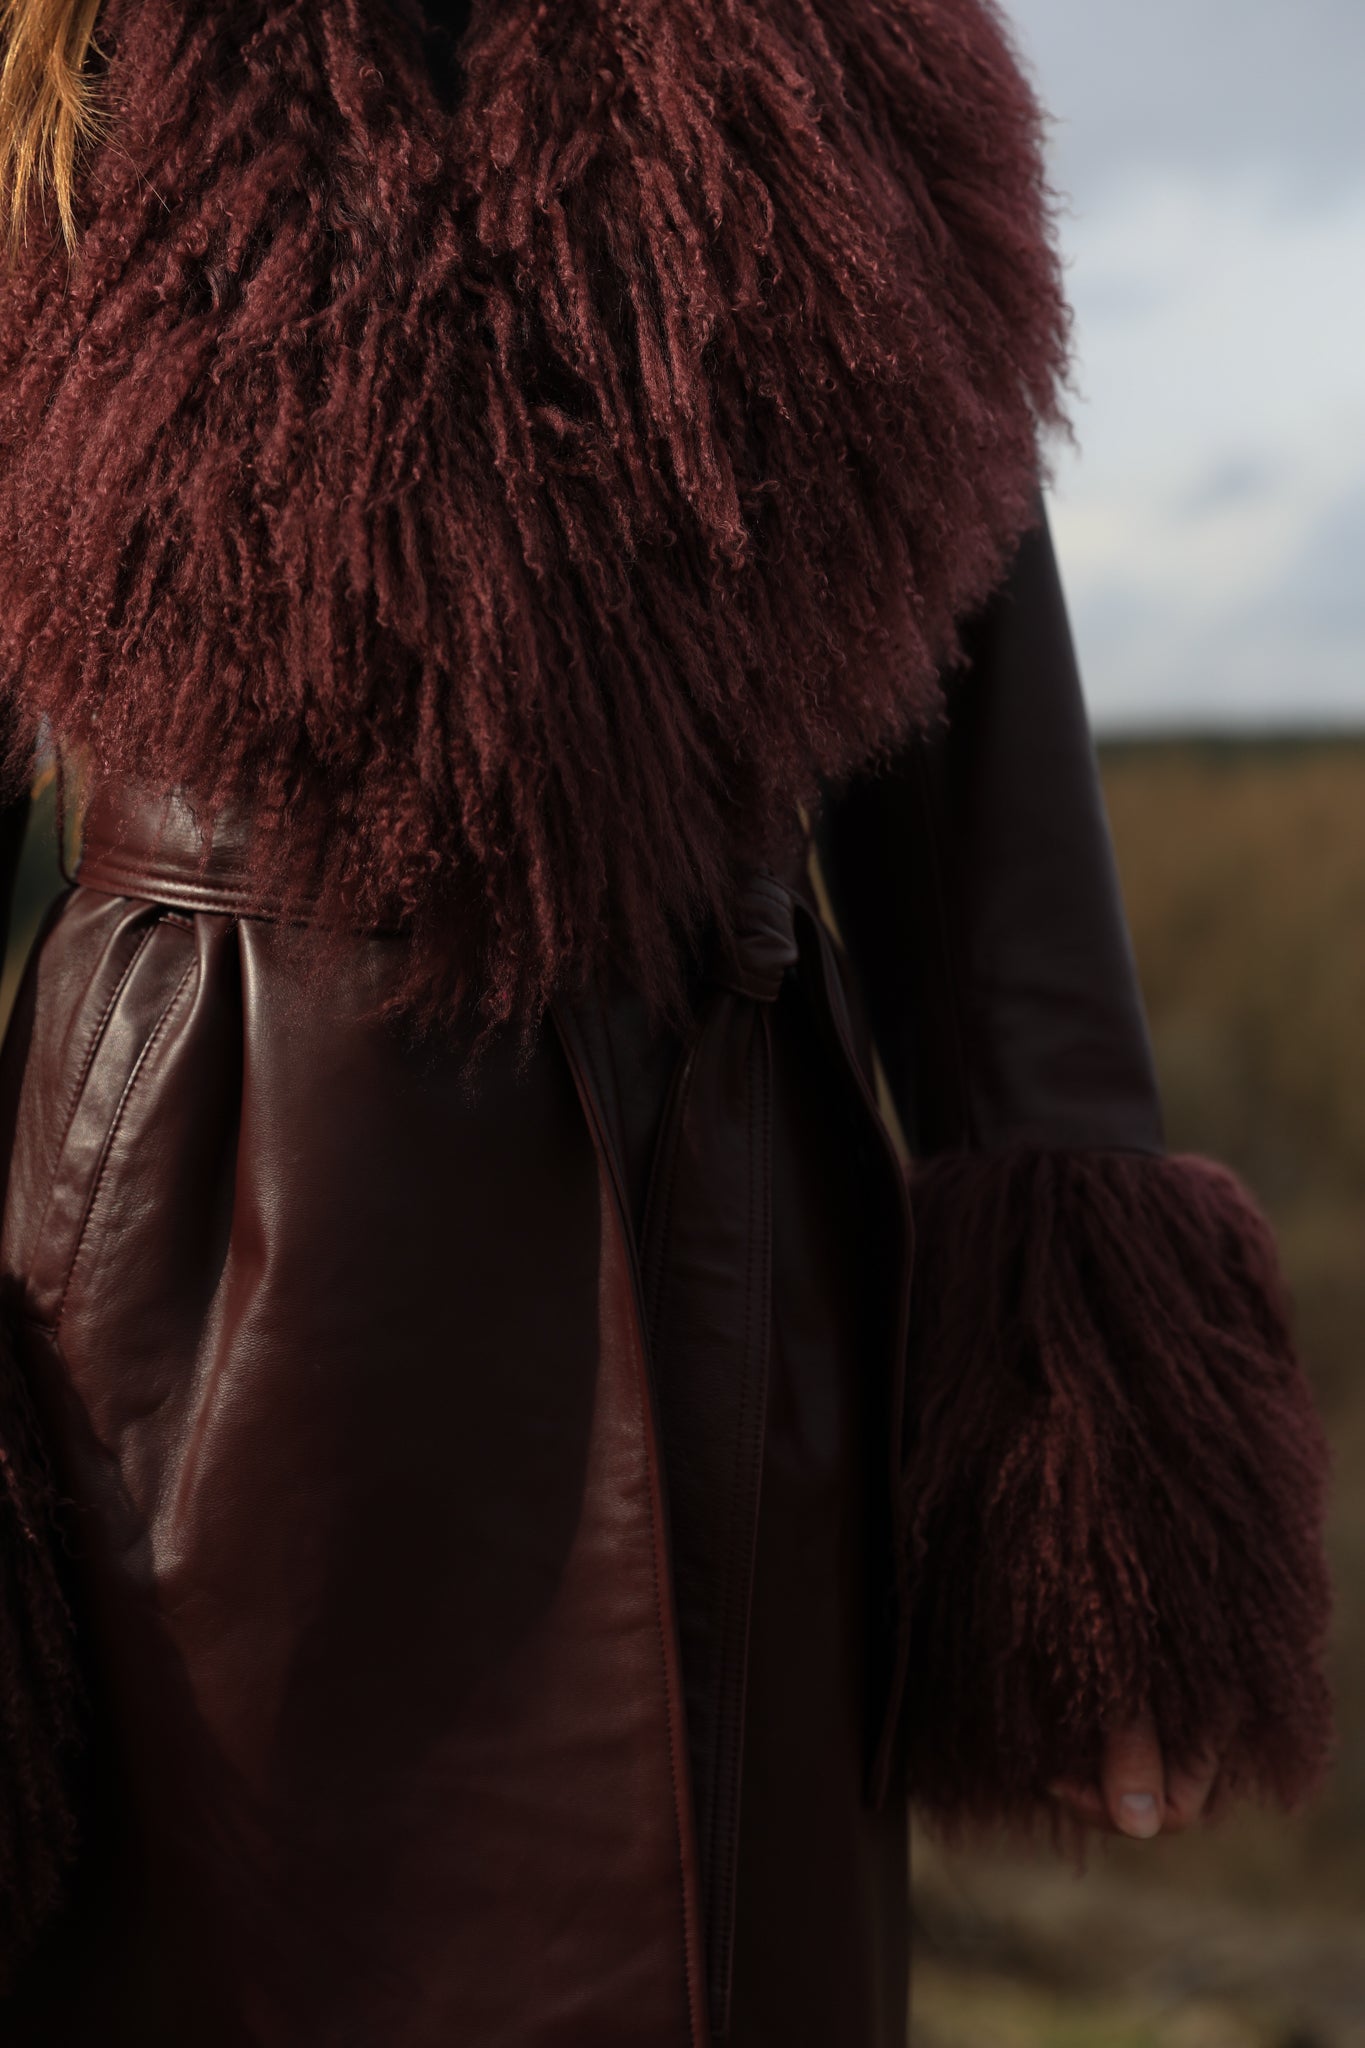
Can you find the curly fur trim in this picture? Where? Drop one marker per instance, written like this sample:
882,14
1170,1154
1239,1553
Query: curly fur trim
559,478
1114,1485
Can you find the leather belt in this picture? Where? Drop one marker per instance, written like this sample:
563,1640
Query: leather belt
706,1261
152,843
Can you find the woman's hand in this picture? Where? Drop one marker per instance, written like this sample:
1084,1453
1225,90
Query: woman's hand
1136,1794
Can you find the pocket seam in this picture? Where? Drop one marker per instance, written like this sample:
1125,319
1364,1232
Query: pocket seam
115,1126
96,1038
88,1057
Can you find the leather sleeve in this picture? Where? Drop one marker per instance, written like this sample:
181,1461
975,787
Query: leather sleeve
975,887
1102,1392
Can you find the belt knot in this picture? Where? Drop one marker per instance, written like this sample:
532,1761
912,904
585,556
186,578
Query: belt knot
763,944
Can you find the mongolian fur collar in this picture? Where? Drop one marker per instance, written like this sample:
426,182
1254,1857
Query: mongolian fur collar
559,459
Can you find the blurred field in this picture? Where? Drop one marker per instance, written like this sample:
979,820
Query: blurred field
1244,871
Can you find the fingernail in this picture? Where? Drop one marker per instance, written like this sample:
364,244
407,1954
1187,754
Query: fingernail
1138,1814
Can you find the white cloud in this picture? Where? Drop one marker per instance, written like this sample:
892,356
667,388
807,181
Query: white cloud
1198,84
1210,529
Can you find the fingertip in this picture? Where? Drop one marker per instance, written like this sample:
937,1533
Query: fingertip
1138,1814
1134,1778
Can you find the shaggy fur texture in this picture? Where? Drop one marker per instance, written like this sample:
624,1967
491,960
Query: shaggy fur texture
39,1690
555,478
1114,1484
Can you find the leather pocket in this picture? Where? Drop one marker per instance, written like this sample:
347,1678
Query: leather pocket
109,979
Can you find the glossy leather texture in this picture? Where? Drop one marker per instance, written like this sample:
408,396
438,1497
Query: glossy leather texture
400,1422
975,884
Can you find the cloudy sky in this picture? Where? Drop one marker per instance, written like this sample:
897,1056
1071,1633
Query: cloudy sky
1212,527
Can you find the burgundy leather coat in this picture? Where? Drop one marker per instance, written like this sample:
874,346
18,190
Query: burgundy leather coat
483,1505
417,1447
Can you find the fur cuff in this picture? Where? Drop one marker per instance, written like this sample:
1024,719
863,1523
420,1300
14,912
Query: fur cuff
39,1690
1113,1486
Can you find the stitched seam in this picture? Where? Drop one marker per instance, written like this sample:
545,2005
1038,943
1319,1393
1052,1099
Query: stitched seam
115,1127
739,1568
661,1632
166,886
96,1037
659,1533
719,1685
660,1298
88,1057
151,885
761,1396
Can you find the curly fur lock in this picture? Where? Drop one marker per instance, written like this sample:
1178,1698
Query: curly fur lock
556,479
